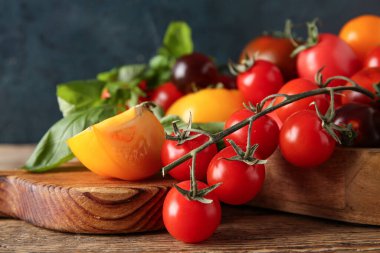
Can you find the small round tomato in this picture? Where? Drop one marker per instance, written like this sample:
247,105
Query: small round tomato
187,220
365,121
240,181
366,78
264,132
273,49
193,70
373,58
362,34
172,151
303,141
342,62
262,79
207,105
297,86
165,95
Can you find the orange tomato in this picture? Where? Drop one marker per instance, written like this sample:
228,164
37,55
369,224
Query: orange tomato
126,146
362,34
207,105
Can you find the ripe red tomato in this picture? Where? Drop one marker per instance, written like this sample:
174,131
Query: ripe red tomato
303,141
264,132
273,49
240,181
332,53
165,95
365,121
262,79
171,151
189,220
373,58
366,78
297,86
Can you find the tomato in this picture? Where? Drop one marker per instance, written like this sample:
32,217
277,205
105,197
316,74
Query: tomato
229,82
297,86
366,78
187,220
193,70
362,34
262,79
165,95
273,49
171,151
303,141
126,146
332,53
373,58
240,182
365,121
264,132
207,105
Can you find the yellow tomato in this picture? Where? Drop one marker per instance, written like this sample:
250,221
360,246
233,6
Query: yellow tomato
126,146
208,105
362,34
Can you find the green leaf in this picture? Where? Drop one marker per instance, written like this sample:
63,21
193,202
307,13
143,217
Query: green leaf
79,95
177,40
128,73
108,76
211,127
52,149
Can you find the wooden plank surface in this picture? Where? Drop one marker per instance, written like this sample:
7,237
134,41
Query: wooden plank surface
242,229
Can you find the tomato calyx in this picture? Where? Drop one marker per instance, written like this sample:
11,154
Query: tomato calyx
238,68
247,156
312,37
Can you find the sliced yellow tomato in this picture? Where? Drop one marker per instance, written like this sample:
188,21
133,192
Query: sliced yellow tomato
207,105
126,146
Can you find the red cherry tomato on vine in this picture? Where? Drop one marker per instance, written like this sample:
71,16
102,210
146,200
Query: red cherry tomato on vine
264,132
240,182
297,86
366,78
303,141
171,151
332,53
262,79
165,95
373,58
189,220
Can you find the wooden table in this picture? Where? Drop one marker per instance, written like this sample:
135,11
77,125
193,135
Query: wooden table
242,229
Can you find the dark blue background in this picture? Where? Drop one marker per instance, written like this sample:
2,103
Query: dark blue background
43,43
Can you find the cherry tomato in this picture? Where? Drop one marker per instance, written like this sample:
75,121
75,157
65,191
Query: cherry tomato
365,121
297,86
262,79
171,151
165,95
273,49
373,58
264,132
332,53
366,78
229,82
193,70
187,220
240,182
362,34
303,141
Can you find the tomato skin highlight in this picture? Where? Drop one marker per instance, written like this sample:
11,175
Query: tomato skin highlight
261,80
297,86
303,141
332,53
165,95
373,58
188,220
171,151
264,132
240,182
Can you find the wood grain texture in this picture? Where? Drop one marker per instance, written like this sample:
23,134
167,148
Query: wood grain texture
345,188
76,200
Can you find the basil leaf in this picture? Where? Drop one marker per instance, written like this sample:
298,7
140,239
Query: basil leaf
79,95
177,40
212,127
128,73
108,76
52,149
